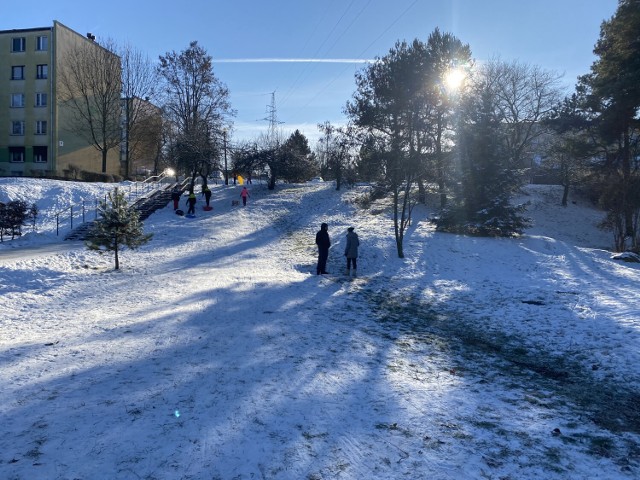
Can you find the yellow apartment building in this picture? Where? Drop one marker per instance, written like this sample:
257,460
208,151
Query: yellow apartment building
36,138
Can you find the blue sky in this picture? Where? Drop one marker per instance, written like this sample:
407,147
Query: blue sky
260,46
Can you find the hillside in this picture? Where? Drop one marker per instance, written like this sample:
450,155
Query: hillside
216,353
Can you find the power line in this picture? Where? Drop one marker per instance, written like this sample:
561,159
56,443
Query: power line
361,54
304,70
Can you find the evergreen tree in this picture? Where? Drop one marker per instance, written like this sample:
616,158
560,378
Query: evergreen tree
570,147
297,161
118,227
402,104
14,215
486,173
386,106
613,94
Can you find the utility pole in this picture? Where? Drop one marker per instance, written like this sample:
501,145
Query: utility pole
224,147
127,128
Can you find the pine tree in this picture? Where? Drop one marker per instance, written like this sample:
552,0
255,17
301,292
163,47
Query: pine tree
487,178
297,161
118,226
13,216
613,95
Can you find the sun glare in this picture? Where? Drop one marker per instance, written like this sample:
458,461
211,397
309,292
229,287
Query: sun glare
454,79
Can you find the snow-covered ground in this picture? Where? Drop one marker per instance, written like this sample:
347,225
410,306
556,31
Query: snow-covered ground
215,353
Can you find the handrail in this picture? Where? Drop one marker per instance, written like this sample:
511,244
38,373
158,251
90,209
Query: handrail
136,192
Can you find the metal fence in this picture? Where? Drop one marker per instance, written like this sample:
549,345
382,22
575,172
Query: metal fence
77,213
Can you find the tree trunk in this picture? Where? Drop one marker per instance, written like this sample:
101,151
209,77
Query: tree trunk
397,227
626,182
116,255
565,194
565,182
422,192
104,160
443,195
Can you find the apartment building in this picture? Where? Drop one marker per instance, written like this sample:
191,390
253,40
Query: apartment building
37,137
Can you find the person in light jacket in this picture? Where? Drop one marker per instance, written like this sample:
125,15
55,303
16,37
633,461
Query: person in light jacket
351,251
244,194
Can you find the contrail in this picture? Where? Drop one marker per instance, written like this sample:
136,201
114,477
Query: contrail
292,60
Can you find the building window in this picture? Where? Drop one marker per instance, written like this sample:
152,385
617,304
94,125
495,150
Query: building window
42,43
41,127
17,100
18,44
17,72
40,154
41,99
17,128
16,154
41,71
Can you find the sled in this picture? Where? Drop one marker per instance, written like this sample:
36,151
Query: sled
179,212
190,215
207,208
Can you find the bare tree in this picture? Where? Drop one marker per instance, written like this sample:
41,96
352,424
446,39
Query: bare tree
142,120
197,103
91,86
336,150
523,96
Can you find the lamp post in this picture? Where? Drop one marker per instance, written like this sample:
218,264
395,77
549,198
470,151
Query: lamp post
224,147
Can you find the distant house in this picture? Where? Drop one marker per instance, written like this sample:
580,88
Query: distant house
35,138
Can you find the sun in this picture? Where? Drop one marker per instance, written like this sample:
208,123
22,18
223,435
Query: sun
454,78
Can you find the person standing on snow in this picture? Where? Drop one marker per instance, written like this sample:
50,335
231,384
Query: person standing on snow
351,251
206,191
244,194
324,242
191,201
175,196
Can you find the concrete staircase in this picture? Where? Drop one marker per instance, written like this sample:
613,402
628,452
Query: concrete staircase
144,205
147,205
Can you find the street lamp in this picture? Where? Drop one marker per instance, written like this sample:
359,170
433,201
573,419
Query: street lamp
224,147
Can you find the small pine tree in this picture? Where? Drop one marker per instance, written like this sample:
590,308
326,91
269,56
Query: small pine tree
118,227
13,216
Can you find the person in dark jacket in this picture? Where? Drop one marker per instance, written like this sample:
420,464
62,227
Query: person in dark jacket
191,201
351,251
206,191
324,242
175,196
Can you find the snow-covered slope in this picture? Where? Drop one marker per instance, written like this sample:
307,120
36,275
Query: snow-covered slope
215,353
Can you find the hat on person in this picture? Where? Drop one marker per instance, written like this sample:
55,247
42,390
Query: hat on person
350,229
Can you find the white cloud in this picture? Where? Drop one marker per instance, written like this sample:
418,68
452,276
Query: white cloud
292,60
